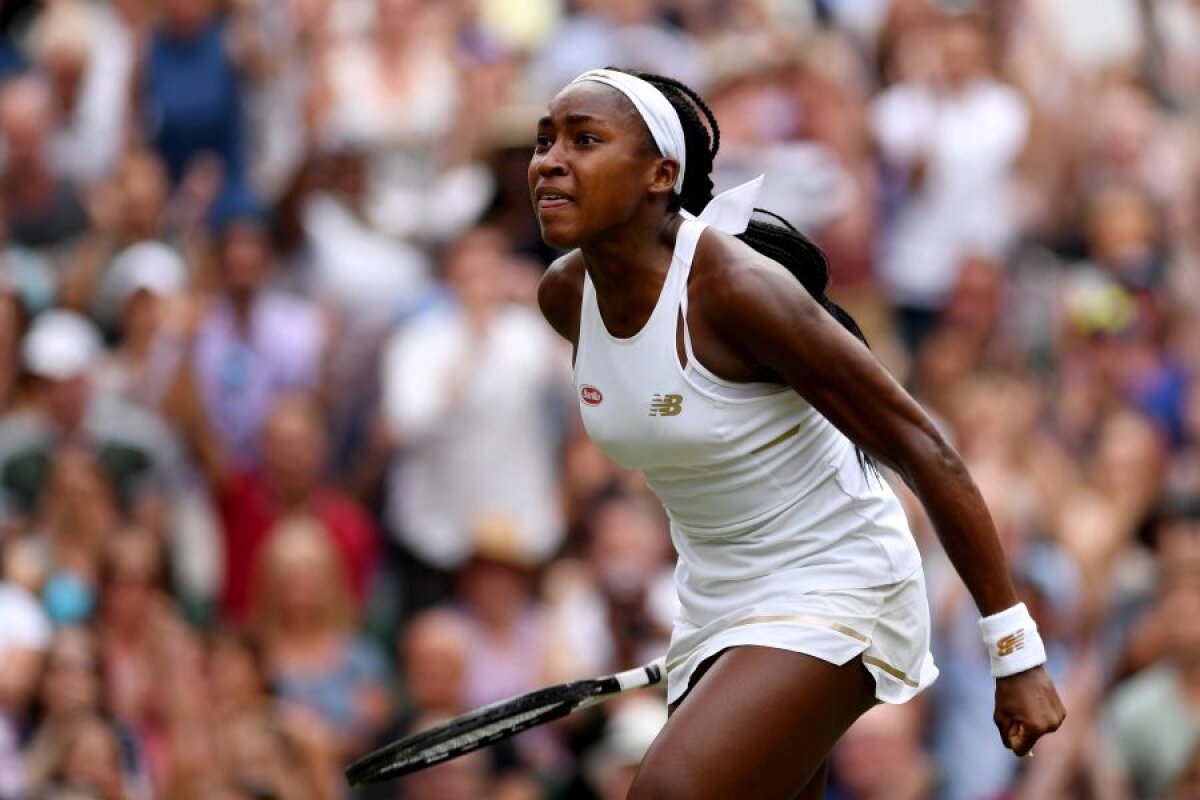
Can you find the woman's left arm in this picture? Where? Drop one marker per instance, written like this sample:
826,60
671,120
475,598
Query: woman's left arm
765,315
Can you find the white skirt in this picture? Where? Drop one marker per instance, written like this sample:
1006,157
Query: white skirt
887,625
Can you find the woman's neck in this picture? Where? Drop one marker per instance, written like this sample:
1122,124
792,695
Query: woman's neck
628,267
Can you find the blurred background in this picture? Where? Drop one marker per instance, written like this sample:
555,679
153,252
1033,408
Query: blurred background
291,466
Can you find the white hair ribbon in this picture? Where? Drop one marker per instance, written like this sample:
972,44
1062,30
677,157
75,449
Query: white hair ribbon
729,211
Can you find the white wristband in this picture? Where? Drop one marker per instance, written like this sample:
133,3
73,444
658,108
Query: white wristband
1012,641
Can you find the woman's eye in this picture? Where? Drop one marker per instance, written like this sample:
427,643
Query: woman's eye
543,143
586,138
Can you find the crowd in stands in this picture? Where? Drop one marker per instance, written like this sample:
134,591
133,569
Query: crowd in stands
291,466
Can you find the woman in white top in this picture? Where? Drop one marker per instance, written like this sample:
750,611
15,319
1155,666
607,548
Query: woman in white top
757,419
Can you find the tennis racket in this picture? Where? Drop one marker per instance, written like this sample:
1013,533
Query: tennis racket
492,723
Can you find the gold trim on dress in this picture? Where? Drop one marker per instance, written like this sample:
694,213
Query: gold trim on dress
806,619
890,670
789,433
803,619
822,622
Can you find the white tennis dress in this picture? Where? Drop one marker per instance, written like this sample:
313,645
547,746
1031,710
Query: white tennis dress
782,538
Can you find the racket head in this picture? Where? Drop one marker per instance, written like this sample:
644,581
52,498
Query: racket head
474,730
492,723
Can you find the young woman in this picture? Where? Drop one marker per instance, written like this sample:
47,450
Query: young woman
757,415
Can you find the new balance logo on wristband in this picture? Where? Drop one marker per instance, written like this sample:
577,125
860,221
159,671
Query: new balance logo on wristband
666,405
1007,645
1012,641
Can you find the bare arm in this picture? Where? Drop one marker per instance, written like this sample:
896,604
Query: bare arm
771,320
768,322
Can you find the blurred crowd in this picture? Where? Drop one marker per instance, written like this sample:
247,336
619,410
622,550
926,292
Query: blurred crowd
290,465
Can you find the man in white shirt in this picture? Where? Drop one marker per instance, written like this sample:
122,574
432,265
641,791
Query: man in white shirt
25,635
952,143
468,393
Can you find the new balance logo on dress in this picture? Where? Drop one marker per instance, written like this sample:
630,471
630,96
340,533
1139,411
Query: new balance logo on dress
1010,644
666,405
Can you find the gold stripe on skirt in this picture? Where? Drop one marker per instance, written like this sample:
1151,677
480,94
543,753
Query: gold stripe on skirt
821,622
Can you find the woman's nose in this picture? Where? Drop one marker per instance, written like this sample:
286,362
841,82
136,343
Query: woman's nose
551,162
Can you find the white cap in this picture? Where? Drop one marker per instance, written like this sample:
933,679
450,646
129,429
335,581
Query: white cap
60,345
152,266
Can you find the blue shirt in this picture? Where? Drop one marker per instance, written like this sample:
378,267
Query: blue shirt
193,101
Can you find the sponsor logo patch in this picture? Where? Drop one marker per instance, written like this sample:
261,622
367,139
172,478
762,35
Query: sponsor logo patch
591,395
666,405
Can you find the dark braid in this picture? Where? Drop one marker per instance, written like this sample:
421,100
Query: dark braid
781,243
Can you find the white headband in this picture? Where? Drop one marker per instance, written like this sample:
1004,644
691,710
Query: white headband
729,211
655,109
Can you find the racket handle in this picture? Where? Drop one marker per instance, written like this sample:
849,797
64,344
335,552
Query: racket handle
647,675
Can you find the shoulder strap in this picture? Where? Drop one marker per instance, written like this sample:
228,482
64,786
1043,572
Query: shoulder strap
589,317
685,251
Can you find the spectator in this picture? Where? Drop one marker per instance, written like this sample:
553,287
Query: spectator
260,759
1123,237
26,277
366,279
140,457
468,393
44,210
140,637
507,629
144,287
260,746
434,655
623,32
291,482
394,90
253,343
1149,722
951,139
76,519
193,94
129,209
514,648
72,687
807,184
145,293
630,729
286,46
880,757
25,637
89,760
315,658
72,45
615,607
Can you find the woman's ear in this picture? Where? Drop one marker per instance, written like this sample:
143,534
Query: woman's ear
665,173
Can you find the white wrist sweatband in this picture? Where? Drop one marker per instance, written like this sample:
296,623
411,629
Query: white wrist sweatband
1012,641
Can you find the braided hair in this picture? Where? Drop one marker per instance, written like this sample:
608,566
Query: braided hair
778,240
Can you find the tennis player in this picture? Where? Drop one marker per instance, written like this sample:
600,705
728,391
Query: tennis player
708,356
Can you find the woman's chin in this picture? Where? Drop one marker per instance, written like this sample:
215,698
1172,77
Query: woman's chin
559,238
